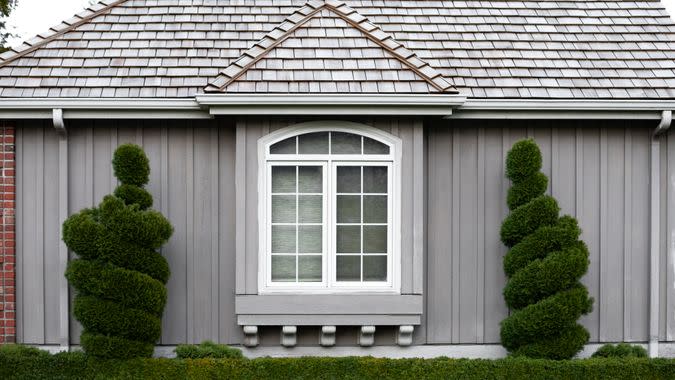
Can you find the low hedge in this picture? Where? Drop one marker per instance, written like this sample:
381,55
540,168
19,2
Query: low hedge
79,366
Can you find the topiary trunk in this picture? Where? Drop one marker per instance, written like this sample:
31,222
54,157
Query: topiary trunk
544,265
120,277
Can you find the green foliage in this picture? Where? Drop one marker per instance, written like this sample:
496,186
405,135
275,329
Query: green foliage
544,266
542,241
526,219
207,349
531,187
81,231
111,248
621,350
120,277
131,194
114,347
523,161
6,7
75,365
110,318
129,288
131,165
543,278
19,350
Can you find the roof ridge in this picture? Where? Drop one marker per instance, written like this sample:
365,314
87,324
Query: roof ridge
305,13
30,45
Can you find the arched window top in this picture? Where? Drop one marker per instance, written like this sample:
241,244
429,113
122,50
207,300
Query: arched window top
330,139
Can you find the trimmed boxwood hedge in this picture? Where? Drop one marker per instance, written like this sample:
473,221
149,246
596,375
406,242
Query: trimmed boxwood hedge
545,262
79,366
119,276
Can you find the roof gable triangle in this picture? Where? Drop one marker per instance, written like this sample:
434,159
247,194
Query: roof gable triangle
326,46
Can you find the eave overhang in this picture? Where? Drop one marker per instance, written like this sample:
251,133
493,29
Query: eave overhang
330,104
207,106
102,108
569,109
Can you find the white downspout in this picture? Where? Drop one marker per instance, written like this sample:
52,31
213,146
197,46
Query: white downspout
64,328
655,227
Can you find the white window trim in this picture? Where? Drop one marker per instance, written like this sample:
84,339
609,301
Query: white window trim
392,160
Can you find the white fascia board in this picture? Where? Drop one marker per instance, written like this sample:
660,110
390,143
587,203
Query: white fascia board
330,104
562,109
103,108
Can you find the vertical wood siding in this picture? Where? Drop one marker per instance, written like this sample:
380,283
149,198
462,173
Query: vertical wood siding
192,183
599,172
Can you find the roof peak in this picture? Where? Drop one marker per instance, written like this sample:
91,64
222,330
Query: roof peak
304,15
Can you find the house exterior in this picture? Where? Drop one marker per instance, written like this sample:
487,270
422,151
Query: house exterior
334,170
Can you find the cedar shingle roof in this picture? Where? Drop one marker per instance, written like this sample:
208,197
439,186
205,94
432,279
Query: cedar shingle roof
486,49
328,47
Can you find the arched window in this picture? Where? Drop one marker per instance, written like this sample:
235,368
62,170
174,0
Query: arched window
329,209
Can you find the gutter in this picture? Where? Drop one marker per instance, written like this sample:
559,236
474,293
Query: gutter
562,109
331,104
206,106
655,227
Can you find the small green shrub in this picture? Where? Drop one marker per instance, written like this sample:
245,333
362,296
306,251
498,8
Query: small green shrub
621,350
207,349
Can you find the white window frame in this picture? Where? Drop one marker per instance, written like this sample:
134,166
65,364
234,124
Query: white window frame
329,285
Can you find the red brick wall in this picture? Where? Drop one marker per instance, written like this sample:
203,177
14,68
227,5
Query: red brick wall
7,242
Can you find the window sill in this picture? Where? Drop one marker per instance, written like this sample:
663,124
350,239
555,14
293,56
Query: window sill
329,309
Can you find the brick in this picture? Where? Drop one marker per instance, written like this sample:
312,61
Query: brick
7,234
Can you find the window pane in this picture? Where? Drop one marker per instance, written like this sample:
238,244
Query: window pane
374,268
374,239
348,209
375,179
284,147
283,239
345,143
374,209
313,143
348,239
283,179
311,179
283,208
311,209
371,146
309,268
283,268
310,239
349,179
349,268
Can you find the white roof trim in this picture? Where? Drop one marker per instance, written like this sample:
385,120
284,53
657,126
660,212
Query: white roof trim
330,104
562,109
205,106
102,108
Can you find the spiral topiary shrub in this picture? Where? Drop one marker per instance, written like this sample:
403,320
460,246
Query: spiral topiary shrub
119,276
544,264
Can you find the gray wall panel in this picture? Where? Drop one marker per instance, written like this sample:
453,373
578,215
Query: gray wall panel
191,180
598,171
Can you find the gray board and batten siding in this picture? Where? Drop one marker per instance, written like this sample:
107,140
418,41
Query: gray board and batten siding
599,172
